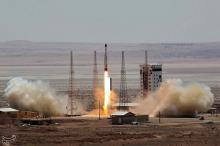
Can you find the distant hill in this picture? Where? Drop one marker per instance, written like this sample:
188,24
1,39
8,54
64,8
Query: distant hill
27,52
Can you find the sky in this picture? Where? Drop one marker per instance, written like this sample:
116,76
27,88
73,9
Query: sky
128,21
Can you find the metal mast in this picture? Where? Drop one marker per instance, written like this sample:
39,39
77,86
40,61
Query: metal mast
123,85
71,102
144,76
95,78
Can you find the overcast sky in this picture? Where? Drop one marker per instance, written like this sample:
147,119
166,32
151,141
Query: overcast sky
110,20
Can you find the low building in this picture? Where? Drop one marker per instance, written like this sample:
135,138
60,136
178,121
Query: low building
13,113
124,117
8,115
8,112
27,114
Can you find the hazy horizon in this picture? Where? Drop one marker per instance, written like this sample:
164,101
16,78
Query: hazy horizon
50,61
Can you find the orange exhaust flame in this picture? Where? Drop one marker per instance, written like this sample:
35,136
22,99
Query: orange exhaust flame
106,92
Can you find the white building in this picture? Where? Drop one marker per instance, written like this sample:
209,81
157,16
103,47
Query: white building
150,77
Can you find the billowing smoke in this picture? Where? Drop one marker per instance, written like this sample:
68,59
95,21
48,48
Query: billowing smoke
33,96
173,98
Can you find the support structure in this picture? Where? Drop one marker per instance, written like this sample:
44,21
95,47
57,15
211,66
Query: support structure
95,82
123,99
144,76
72,106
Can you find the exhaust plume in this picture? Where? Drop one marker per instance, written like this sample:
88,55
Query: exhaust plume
33,96
173,98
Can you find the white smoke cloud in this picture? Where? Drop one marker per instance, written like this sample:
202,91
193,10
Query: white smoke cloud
173,98
34,96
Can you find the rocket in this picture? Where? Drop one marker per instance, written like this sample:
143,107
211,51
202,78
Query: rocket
106,66
105,59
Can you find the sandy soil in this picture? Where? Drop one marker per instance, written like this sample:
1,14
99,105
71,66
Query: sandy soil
80,131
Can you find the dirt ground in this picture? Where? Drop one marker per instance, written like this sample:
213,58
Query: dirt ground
79,131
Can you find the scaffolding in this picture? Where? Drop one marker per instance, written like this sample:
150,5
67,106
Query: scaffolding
144,76
71,105
123,99
93,100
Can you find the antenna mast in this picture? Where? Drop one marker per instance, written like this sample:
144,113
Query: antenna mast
71,102
123,85
95,79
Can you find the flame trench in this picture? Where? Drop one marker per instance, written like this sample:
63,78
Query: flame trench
106,92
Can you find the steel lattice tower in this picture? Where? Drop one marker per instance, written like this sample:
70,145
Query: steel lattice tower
123,85
71,102
95,78
144,76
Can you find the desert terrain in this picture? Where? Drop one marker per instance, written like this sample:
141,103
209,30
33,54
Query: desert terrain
81,131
